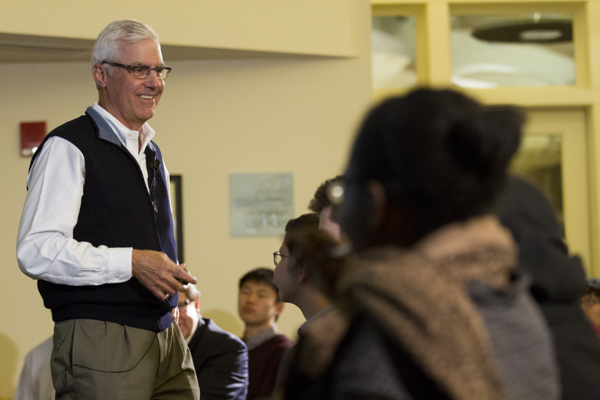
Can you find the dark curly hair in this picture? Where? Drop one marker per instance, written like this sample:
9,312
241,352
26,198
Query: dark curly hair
320,200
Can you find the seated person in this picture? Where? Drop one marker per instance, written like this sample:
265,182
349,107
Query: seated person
220,358
36,380
259,306
292,277
557,281
590,303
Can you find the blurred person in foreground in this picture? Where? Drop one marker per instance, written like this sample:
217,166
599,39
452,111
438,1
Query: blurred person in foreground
432,308
220,357
259,306
557,281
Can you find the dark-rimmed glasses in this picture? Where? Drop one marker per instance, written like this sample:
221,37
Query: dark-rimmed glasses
142,71
277,257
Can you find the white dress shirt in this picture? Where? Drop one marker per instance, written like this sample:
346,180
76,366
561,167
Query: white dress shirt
45,246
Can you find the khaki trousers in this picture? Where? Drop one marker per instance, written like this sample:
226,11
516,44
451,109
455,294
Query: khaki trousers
103,360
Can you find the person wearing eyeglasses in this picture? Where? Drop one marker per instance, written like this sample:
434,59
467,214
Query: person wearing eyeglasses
96,232
259,307
220,357
291,275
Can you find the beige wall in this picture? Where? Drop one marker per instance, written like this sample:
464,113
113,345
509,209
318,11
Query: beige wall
216,117
301,27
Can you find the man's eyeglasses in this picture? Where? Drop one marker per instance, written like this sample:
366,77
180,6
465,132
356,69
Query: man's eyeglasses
277,257
142,71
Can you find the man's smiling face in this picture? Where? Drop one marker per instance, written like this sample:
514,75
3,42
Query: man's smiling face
131,100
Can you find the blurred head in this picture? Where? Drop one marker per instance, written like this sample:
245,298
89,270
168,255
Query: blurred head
291,276
189,310
321,205
422,161
259,304
590,301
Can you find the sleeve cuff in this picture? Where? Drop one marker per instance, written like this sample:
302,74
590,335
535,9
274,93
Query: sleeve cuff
119,265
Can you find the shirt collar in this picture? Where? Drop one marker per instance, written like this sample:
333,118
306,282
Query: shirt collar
128,137
256,340
194,329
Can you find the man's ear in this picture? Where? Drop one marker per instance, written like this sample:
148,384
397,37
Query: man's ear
99,74
379,205
197,305
301,274
279,308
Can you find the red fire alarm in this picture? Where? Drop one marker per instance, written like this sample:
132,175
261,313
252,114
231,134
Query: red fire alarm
32,134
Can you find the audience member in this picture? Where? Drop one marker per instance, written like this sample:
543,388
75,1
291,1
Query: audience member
293,281
259,306
590,303
557,283
291,275
100,241
220,358
430,309
322,205
35,382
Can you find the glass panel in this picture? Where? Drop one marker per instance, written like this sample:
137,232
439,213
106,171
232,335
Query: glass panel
539,161
393,52
532,49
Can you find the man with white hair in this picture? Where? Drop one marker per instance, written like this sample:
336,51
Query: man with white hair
220,357
97,233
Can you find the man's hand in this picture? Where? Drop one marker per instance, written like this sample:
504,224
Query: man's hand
159,273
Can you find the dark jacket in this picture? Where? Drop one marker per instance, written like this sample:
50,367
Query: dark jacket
116,211
558,282
221,362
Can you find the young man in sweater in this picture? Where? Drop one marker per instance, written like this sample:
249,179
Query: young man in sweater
259,306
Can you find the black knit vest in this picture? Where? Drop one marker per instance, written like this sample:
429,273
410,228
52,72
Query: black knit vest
116,211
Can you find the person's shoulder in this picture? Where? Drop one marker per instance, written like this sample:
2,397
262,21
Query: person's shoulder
73,129
220,335
281,340
79,121
42,350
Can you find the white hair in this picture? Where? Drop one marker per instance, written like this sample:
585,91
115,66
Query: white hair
129,30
